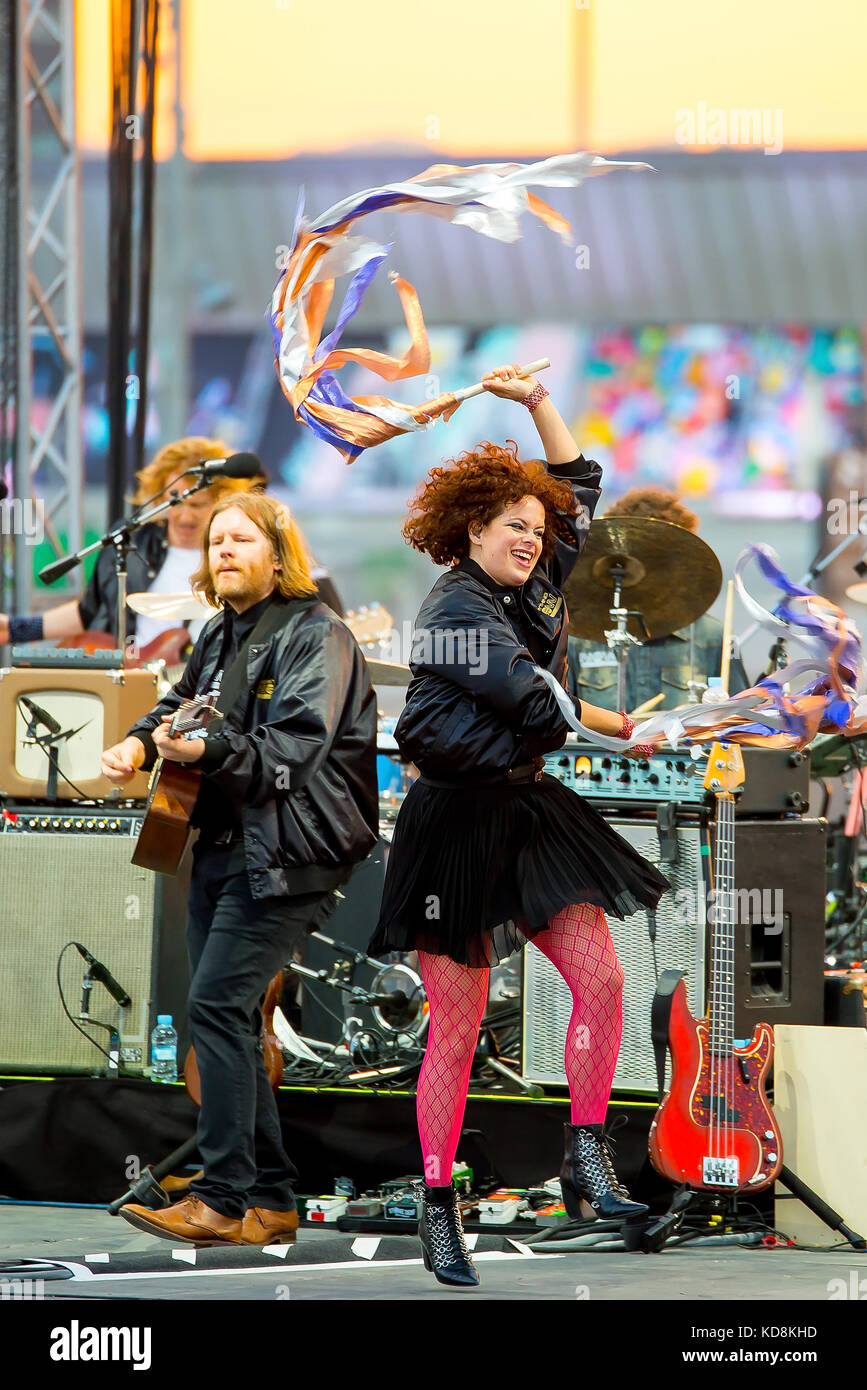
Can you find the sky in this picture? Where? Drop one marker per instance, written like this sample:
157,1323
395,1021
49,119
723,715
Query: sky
268,79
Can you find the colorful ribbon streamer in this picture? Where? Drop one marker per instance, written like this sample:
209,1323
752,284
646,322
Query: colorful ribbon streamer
487,198
784,710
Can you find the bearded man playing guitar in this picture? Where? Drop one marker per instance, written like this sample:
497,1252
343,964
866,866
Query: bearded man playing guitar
287,805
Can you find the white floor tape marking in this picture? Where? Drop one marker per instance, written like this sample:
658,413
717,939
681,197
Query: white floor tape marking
81,1274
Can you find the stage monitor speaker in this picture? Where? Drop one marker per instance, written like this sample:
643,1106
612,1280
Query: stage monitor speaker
77,884
778,952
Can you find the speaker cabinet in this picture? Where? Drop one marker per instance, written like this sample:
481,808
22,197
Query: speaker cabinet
679,944
780,922
778,944
79,885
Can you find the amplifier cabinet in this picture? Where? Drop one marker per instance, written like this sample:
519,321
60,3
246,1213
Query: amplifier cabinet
680,944
79,885
94,709
779,938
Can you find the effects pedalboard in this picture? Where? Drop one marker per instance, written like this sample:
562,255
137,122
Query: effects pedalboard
777,781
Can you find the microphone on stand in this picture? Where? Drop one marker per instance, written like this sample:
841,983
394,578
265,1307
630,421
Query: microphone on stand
104,976
86,987
39,715
235,466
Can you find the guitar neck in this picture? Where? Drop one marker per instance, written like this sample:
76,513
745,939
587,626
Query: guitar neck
721,999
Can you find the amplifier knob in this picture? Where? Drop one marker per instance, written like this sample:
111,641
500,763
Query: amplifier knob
653,779
606,763
55,824
67,825
624,777
114,825
102,824
44,823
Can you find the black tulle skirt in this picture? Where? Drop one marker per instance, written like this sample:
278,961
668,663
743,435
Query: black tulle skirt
475,872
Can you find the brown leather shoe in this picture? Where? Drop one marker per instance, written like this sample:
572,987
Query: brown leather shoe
190,1222
264,1227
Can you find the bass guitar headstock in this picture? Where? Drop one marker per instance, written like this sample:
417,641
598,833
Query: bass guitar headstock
725,769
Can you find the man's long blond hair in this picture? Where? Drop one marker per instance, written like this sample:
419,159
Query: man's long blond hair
175,458
293,579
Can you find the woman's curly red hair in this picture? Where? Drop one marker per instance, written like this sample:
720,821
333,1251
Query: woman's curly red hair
478,486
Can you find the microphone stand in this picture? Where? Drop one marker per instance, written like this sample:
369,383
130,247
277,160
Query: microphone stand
120,537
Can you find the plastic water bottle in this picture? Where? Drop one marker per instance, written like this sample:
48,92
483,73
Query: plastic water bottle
164,1050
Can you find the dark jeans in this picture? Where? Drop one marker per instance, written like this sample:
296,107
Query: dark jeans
236,944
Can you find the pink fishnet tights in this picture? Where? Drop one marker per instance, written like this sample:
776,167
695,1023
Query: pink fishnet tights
578,944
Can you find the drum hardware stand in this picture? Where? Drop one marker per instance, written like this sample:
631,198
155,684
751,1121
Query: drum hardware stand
488,1052
392,1009
618,637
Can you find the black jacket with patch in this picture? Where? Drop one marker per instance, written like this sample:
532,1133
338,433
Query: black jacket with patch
297,755
475,707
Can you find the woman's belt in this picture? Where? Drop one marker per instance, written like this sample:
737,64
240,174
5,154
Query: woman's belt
525,772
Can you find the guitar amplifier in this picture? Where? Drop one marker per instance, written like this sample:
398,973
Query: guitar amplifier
68,877
679,944
90,709
777,779
778,955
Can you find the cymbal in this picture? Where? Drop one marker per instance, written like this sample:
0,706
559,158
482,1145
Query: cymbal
387,672
670,575
183,607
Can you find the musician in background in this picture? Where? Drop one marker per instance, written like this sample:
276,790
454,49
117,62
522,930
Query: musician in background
288,804
163,555
679,665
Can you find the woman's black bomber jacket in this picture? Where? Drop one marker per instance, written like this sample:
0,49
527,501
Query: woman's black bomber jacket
475,707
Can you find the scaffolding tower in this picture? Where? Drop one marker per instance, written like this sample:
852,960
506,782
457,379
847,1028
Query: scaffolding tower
48,470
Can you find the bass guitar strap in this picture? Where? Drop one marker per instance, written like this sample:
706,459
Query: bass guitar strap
660,1016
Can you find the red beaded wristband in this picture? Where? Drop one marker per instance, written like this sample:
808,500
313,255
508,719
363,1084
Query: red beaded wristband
536,396
627,728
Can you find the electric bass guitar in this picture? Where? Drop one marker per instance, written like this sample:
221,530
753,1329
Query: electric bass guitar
174,787
715,1130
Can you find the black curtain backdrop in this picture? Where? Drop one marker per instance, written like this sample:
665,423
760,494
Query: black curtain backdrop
71,1139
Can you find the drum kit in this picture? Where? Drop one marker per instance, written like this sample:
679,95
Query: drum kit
667,575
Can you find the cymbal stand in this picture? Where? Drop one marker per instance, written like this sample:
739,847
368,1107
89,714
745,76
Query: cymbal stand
619,639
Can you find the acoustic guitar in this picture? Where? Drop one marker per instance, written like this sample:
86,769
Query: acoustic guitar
715,1130
174,787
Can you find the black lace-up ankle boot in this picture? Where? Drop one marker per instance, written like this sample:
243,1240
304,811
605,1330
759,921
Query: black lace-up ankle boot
443,1246
588,1173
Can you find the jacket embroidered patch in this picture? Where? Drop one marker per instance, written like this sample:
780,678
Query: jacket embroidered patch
549,604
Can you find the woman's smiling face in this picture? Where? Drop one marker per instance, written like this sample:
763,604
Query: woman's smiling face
508,548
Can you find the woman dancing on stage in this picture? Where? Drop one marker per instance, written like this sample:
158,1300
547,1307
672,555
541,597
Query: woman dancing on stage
489,851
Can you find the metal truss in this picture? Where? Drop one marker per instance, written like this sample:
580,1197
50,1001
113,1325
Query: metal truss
48,456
